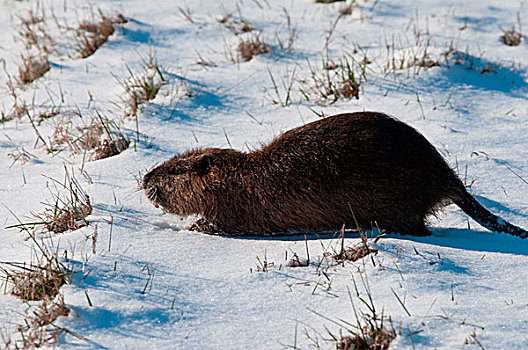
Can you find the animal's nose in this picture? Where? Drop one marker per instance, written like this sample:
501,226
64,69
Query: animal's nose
146,180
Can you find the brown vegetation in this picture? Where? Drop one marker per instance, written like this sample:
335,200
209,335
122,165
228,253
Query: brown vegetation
90,36
102,137
32,68
511,37
252,47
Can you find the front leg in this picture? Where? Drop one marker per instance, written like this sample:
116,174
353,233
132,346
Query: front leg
202,225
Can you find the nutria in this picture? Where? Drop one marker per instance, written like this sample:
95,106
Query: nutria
362,168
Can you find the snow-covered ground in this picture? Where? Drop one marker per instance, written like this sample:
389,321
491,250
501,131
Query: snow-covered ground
154,284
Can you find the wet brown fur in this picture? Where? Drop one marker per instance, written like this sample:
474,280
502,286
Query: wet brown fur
315,177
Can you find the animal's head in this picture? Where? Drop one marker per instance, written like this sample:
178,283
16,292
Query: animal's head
186,184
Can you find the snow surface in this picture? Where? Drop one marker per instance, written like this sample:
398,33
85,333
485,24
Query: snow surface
154,284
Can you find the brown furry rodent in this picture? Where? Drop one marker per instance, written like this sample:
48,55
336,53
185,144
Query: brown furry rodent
361,166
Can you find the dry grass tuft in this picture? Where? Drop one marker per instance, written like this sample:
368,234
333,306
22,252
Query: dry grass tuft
246,27
20,154
32,68
39,330
40,281
49,311
36,281
236,26
511,37
66,212
426,62
90,36
77,138
335,81
371,338
357,252
252,47
69,218
47,114
347,10
295,261
33,33
142,87
263,265
474,63
370,331
16,112
111,147
101,137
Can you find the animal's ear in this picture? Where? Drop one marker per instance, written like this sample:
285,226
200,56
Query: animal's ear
204,164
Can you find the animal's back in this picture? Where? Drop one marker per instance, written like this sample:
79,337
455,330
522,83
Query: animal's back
366,165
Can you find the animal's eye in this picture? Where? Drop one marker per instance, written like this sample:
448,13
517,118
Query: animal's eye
175,172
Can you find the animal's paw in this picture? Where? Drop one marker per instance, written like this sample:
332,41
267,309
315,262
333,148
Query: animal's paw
205,226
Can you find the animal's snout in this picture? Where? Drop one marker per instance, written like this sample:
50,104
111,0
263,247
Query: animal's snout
153,193
146,180
152,190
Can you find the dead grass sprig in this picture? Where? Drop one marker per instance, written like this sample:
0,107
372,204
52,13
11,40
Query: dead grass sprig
30,284
39,330
263,265
90,36
111,147
335,81
347,10
412,60
295,261
427,62
101,137
47,114
511,37
471,62
19,153
49,311
287,87
143,86
251,47
371,330
35,281
32,68
358,251
292,33
77,139
40,280
371,338
67,212
33,33
186,13
16,112
237,26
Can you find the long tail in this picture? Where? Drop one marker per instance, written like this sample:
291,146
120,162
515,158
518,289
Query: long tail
481,215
